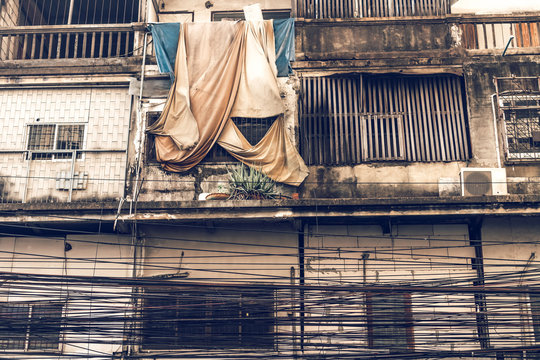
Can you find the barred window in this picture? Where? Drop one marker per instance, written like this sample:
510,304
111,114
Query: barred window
352,119
239,15
25,326
389,321
519,104
45,141
213,318
253,129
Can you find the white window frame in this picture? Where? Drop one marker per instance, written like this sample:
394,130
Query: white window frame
506,101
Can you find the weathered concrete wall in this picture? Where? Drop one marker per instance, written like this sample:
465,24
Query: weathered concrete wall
479,76
202,13
378,180
350,39
105,114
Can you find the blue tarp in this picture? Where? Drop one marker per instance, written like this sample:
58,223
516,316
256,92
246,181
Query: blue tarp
165,38
284,37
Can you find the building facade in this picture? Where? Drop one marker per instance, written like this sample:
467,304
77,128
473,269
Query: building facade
414,233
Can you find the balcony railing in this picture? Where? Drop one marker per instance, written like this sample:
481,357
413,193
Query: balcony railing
328,9
494,32
70,41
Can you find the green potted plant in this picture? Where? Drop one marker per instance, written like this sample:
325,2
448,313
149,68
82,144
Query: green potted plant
249,183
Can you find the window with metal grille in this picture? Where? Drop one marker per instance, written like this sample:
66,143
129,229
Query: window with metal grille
519,104
353,119
30,326
252,128
215,318
389,321
46,141
239,15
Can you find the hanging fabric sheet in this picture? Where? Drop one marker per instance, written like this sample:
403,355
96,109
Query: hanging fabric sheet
224,70
165,39
284,34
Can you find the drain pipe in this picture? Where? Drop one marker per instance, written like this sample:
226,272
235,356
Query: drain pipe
495,130
141,127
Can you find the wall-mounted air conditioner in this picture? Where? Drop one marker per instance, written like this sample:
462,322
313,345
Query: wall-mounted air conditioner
483,181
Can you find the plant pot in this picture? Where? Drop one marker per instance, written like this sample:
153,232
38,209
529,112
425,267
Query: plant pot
217,196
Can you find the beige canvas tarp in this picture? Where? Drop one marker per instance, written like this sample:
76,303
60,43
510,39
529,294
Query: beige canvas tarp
224,70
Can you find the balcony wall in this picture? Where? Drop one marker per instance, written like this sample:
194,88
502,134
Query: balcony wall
354,39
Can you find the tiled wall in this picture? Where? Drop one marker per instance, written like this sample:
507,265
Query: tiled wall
106,114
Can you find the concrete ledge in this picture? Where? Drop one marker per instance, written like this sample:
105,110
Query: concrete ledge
233,210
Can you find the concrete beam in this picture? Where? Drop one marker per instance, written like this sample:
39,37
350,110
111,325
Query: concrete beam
276,210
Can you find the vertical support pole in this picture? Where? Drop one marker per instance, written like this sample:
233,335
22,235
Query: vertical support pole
27,178
475,238
72,174
302,281
293,310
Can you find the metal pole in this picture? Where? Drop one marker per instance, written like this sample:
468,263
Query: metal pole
28,162
73,157
70,16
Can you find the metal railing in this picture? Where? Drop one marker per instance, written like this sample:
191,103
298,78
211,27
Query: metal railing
70,41
496,32
328,9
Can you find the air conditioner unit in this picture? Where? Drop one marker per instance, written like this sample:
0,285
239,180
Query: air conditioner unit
483,181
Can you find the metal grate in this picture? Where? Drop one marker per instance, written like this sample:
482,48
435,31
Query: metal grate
253,129
45,141
13,326
239,15
216,318
358,118
324,9
30,326
389,321
519,103
45,326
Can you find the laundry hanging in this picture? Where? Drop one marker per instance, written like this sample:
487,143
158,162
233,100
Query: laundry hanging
225,70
